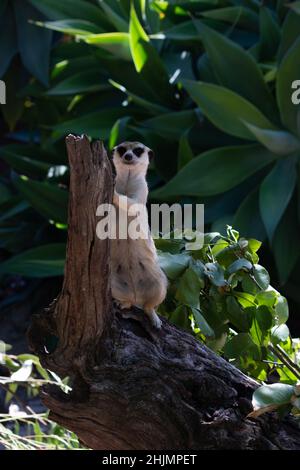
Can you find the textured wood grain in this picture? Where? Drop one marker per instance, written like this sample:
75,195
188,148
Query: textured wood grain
135,387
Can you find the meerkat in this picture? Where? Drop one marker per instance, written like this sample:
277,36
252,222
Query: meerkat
136,277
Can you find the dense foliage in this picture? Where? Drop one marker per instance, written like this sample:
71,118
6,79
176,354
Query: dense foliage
207,85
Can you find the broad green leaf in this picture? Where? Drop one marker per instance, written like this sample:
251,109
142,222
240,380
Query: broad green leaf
185,154
173,265
279,142
97,124
24,164
269,34
247,218
239,264
237,315
216,171
34,42
275,193
49,200
226,56
5,193
87,81
279,333
281,310
290,33
261,276
115,43
72,9
295,6
274,394
114,14
215,274
180,317
264,318
287,236
171,125
267,298
42,261
188,289
70,26
288,72
241,345
240,15
202,324
147,60
226,109
8,38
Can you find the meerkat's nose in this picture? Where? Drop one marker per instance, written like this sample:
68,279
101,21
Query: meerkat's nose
128,156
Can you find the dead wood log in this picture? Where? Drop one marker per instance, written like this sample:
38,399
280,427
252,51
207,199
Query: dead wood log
134,387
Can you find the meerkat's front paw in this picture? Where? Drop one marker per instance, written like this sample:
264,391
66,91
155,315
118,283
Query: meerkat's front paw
155,320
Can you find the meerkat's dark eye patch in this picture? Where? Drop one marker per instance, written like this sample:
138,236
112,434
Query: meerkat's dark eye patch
121,150
138,151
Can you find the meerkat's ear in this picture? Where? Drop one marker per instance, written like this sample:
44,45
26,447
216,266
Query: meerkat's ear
150,155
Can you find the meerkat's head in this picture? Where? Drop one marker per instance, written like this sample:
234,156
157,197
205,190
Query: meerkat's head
132,156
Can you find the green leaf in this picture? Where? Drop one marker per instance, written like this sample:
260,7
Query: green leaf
239,264
279,333
5,193
180,317
286,75
202,323
114,14
290,33
261,276
215,274
237,315
240,15
97,124
74,9
188,289
241,345
171,125
25,164
275,193
42,261
147,60
264,317
226,109
185,154
274,394
269,34
87,81
8,38
279,142
224,56
287,236
173,265
267,298
70,26
49,200
281,310
115,43
226,167
34,42
247,218
295,6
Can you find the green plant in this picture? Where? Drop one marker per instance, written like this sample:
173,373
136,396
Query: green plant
22,428
208,87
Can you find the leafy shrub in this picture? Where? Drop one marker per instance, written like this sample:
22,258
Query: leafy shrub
208,87
22,428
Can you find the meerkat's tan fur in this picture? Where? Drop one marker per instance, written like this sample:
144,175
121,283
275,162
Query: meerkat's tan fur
136,278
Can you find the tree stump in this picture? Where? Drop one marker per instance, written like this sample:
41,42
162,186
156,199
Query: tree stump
134,387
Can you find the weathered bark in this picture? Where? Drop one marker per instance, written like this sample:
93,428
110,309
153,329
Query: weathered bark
135,387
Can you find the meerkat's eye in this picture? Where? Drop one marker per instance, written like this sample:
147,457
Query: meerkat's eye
138,151
121,150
